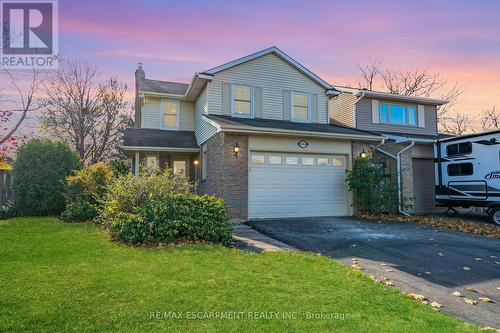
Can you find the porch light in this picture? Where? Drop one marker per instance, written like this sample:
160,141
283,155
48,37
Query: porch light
363,154
196,162
236,150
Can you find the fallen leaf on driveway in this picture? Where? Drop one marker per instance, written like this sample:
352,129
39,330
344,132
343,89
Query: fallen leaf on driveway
466,268
389,270
357,267
389,283
436,305
428,273
478,259
471,289
440,254
457,293
354,259
470,301
486,299
383,264
493,257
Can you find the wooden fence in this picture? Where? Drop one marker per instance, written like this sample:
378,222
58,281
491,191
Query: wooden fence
5,189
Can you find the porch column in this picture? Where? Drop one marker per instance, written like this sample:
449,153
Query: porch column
136,164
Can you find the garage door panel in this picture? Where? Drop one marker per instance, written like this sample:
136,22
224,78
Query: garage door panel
297,190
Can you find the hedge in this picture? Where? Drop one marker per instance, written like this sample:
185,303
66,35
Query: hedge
175,218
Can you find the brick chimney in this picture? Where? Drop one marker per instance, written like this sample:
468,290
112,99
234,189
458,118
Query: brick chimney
139,74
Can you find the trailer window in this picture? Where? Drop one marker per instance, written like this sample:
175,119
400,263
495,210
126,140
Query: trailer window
462,148
461,169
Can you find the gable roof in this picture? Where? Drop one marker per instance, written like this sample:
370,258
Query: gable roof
162,87
278,53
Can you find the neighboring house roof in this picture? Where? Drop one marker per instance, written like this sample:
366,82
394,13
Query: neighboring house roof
280,54
386,95
162,87
143,138
271,126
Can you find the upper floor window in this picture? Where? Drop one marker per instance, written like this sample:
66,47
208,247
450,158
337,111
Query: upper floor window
300,107
242,101
462,148
170,114
398,114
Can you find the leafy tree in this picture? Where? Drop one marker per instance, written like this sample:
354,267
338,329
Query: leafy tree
39,176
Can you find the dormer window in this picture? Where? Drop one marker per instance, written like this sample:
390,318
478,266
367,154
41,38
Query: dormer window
170,114
301,107
242,102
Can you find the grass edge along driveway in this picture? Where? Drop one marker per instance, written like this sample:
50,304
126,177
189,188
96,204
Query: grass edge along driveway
57,277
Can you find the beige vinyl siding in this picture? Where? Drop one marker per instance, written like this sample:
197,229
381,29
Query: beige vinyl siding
364,120
341,109
272,77
187,116
151,114
203,130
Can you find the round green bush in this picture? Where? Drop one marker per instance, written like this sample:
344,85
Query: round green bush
174,218
39,176
79,210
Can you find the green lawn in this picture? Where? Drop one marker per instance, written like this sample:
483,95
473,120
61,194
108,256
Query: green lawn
57,277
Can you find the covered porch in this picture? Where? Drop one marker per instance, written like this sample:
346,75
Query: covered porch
153,148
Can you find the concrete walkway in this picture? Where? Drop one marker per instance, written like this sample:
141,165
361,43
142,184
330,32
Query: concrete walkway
251,238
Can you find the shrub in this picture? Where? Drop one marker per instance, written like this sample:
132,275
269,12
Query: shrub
39,176
7,211
128,192
174,218
119,167
372,191
79,210
89,183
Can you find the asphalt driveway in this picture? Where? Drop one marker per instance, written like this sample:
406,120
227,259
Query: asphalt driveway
416,258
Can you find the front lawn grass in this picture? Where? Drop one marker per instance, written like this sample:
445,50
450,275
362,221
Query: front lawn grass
57,277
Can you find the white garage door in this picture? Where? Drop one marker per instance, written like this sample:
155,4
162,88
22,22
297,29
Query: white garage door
296,185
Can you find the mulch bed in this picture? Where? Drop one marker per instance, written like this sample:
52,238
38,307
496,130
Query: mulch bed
456,223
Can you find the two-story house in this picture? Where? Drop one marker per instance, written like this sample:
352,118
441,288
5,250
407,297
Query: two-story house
261,132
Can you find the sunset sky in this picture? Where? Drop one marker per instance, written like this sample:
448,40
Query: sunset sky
174,39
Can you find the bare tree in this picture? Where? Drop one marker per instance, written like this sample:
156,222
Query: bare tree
368,74
89,114
490,119
17,107
458,124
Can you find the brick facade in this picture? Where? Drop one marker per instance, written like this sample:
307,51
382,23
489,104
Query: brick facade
226,174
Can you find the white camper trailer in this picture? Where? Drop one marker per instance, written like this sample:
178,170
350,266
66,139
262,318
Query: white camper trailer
467,172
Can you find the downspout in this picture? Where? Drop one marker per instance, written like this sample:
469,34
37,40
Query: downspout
397,157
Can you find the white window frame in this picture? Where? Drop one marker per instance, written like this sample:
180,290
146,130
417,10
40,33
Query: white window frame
308,106
162,115
252,101
407,112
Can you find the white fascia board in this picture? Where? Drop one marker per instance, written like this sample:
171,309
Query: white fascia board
171,149
399,138
279,53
